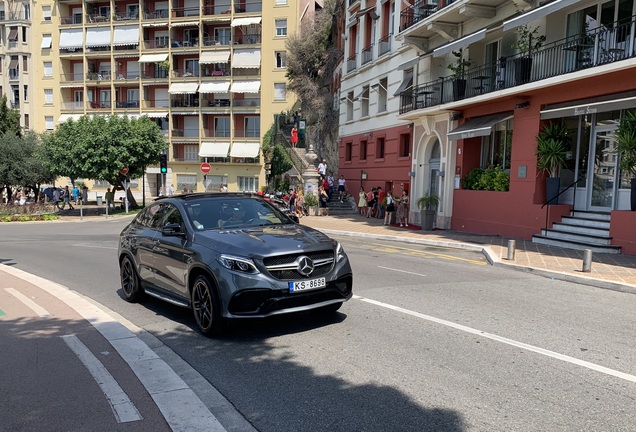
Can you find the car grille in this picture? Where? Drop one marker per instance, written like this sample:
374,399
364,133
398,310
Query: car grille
283,267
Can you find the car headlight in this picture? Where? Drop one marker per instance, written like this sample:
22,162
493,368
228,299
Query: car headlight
339,252
244,265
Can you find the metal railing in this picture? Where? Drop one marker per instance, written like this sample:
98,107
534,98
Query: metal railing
351,63
156,14
556,197
596,47
247,133
384,45
186,133
418,12
219,8
216,133
186,12
156,103
367,54
211,41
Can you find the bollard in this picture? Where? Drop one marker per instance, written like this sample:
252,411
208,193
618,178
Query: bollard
587,260
512,244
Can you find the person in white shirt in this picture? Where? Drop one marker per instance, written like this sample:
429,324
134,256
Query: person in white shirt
341,187
322,168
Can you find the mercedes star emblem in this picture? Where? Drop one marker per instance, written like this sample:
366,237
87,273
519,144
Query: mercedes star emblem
305,265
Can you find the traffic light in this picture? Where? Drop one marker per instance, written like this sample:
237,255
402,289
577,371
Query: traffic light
163,163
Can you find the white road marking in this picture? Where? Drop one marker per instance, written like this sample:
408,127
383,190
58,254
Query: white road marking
28,302
94,246
181,408
401,271
124,410
545,352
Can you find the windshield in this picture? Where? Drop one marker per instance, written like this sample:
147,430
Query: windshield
232,212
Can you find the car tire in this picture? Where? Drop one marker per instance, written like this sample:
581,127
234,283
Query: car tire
130,285
206,307
332,308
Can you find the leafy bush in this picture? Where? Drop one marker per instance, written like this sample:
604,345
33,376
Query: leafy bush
311,200
493,178
29,209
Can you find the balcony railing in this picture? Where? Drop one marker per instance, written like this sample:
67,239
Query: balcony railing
156,103
97,18
247,133
70,20
184,43
14,74
73,106
184,102
15,105
211,41
418,12
66,77
249,102
101,104
186,12
250,38
127,104
186,73
367,54
351,63
186,133
154,44
384,45
575,53
216,102
156,14
219,8
216,133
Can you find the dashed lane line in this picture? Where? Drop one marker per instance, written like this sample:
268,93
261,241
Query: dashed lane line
402,271
124,410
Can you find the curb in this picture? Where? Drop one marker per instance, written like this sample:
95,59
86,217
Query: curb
494,260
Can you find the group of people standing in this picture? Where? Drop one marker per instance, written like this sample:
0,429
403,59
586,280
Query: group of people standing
379,204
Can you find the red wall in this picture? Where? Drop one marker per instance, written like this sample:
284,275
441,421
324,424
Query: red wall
380,171
622,231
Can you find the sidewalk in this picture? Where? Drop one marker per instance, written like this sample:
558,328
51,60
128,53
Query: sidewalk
616,272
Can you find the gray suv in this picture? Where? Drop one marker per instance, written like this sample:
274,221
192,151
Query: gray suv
230,256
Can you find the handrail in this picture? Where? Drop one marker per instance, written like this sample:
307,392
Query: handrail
547,203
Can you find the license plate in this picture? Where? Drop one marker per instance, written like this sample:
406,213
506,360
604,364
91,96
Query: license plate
307,285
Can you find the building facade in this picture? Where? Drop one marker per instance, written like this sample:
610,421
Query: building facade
575,72
211,74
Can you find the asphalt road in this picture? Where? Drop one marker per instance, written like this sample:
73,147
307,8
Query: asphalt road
435,339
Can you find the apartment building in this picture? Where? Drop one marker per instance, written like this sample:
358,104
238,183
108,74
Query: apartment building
16,68
210,73
579,74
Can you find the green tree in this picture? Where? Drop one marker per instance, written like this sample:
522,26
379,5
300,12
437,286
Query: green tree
9,118
281,162
99,147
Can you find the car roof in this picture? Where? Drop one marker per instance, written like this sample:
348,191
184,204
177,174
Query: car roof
197,195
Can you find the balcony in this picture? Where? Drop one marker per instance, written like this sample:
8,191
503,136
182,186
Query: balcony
351,63
210,41
184,102
186,12
72,77
98,76
216,133
15,104
217,102
101,105
248,102
367,54
419,12
14,74
156,14
185,73
97,18
384,45
71,20
155,44
73,106
222,8
127,104
156,103
186,133
249,6
597,47
184,43
248,39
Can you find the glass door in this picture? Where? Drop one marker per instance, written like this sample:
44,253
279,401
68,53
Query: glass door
78,99
603,170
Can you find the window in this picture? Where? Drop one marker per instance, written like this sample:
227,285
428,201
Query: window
104,11
48,69
379,148
26,121
215,182
48,96
221,127
27,13
281,59
46,13
46,41
348,147
13,34
405,145
192,67
191,153
187,182
26,93
48,120
281,2
382,95
364,101
247,184
363,150
280,91
25,64
281,27
349,100
24,34
253,127
496,148
222,35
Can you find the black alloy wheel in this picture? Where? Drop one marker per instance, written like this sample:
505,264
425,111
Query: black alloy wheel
130,281
205,307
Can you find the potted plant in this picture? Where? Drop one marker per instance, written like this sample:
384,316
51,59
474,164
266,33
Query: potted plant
528,41
164,67
311,202
428,206
459,70
553,144
626,150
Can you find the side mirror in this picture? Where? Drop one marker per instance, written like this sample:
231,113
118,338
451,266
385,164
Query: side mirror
172,230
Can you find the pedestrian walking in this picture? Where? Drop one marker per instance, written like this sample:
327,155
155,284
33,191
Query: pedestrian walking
66,199
331,182
110,198
171,190
390,209
362,202
370,202
56,197
341,188
324,207
85,194
380,202
403,210
76,195
294,136
322,168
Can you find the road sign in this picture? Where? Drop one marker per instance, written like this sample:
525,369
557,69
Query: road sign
124,170
205,168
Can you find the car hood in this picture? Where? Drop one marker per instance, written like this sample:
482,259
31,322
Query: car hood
265,241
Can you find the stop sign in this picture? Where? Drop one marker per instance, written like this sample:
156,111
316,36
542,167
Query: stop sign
124,170
205,168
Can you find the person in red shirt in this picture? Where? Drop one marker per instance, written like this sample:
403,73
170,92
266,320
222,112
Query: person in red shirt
294,137
381,195
325,186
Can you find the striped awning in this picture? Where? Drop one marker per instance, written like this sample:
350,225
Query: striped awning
183,88
185,24
126,35
214,87
214,149
65,117
246,59
209,57
98,37
71,39
245,149
160,114
246,87
153,58
246,21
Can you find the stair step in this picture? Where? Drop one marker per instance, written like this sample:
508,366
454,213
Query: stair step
569,244
604,216
590,223
578,237
581,229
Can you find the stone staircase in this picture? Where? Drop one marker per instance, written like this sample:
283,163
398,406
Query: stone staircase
347,206
581,230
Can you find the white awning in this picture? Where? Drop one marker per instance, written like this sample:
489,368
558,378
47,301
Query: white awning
65,117
130,116
246,21
246,59
185,24
73,85
153,58
246,149
477,127
214,149
587,107
159,24
71,39
537,13
125,55
405,84
156,114
98,37
126,35
246,87
46,41
183,88
214,87
459,43
409,64
209,57
185,113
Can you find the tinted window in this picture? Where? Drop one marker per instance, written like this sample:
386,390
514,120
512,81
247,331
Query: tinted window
149,215
171,215
214,213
